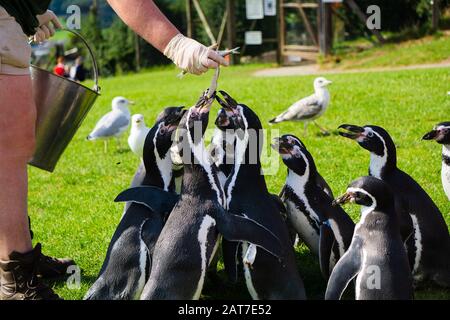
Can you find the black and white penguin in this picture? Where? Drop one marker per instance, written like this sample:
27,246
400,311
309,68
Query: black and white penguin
327,230
441,134
194,227
422,225
246,193
128,259
377,256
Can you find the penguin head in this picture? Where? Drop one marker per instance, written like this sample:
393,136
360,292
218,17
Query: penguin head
321,82
121,104
294,154
160,136
440,133
242,123
197,117
235,115
372,138
368,192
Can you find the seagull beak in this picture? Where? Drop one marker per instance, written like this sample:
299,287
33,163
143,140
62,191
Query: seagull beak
131,102
345,198
352,132
328,82
432,135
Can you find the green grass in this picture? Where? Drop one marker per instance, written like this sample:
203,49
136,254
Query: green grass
357,55
72,210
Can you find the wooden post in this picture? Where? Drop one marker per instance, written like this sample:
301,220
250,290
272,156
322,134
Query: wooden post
436,14
281,32
325,28
223,24
204,21
138,52
231,28
308,25
189,30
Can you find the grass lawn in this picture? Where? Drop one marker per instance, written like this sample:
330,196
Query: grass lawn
73,212
430,49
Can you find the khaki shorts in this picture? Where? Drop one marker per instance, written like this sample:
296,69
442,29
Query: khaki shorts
15,52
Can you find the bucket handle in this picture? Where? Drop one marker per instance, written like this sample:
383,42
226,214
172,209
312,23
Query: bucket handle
94,62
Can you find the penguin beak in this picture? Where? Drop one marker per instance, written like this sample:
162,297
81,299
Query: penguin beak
432,135
351,131
229,100
345,198
205,102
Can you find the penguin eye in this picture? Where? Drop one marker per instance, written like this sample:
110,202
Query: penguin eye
370,134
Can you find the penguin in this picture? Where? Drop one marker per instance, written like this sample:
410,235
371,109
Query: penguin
377,256
194,227
441,134
327,230
422,225
127,264
246,193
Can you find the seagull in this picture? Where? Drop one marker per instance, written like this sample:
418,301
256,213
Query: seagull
114,123
310,108
138,133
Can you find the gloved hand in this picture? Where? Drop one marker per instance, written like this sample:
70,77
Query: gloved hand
47,23
192,56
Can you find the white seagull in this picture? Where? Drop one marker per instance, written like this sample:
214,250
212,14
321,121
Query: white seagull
310,108
138,133
114,123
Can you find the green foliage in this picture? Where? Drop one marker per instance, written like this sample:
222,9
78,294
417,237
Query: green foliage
72,210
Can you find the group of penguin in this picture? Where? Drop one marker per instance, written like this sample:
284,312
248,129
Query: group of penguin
191,201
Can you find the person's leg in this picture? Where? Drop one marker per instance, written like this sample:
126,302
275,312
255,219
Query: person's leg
17,136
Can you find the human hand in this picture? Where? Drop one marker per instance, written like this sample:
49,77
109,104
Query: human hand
192,56
47,24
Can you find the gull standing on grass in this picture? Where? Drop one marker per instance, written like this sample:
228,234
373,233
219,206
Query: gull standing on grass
138,133
310,108
114,123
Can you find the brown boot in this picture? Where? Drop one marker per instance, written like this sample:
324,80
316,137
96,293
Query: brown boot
50,268
19,280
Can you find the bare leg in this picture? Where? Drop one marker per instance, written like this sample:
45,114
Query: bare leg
105,146
324,131
305,128
17,134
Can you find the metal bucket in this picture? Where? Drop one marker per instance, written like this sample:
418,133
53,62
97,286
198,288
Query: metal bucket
62,105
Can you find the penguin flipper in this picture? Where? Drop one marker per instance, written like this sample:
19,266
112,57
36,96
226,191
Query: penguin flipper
345,270
230,261
239,228
156,199
326,241
279,203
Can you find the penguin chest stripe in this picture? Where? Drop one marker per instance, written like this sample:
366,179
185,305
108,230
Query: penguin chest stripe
304,208
417,243
205,226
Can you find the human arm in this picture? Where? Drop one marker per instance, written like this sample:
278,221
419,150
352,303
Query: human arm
145,18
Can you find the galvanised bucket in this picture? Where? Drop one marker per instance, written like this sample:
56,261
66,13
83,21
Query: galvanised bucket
62,105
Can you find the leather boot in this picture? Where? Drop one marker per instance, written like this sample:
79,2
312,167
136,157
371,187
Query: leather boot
19,279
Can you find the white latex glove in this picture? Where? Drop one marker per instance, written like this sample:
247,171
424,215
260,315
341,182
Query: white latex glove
192,56
47,24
